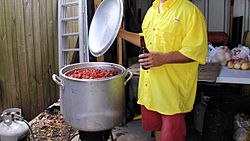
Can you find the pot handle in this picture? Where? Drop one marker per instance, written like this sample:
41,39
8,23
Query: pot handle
129,77
57,80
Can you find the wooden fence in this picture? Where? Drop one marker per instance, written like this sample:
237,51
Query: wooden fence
28,55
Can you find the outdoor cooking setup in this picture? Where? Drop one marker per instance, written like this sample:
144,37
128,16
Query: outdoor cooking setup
92,94
93,105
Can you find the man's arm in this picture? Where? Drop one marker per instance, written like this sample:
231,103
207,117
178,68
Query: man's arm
155,59
131,37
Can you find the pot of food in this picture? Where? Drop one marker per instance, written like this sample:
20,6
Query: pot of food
92,94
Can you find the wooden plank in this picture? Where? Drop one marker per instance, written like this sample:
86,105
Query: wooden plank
7,46
8,74
45,57
2,58
3,53
15,57
13,36
55,95
100,59
12,56
96,3
120,48
38,54
22,59
28,27
1,93
50,51
55,31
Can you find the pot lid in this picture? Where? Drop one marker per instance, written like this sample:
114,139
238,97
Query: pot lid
105,26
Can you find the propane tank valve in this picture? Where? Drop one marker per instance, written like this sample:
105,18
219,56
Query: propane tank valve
13,127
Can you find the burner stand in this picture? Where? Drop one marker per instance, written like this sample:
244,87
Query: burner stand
96,136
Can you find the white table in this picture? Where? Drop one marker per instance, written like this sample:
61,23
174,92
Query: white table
233,76
215,73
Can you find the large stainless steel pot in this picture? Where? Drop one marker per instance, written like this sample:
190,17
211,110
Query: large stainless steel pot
93,104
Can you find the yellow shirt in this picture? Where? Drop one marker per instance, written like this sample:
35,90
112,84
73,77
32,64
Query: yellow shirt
180,26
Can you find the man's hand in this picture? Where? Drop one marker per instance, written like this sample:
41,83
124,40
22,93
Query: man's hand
155,59
152,59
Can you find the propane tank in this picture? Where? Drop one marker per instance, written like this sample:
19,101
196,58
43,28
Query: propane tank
13,128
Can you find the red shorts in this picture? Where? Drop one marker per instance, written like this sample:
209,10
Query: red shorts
171,127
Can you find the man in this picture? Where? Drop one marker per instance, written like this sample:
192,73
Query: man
175,34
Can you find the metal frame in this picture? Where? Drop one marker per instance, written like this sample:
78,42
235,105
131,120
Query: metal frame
63,34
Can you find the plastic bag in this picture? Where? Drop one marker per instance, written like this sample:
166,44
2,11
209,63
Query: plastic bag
241,127
240,52
219,54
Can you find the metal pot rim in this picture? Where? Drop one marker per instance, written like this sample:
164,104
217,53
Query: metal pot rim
63,74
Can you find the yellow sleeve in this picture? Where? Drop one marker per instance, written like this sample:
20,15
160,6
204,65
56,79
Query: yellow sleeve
195,44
